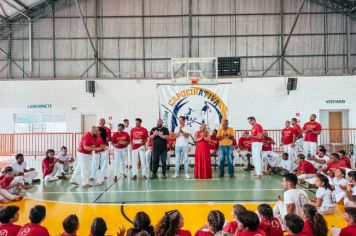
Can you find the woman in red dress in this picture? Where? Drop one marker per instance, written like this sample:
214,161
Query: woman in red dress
202,168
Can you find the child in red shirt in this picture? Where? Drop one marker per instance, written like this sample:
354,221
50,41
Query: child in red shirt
11,183
306,170
8,216
98,227
269,224
216,220
248,223
70,225
350,217
294,224
231,227
34,228
314,223
172,224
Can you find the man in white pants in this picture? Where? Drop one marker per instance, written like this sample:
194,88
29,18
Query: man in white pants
19,169
105,157
120,140
256,147
287,141
297,135
311,130
139,136
81,173
128,162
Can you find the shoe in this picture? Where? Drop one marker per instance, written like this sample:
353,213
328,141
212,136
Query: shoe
153,176
74,183
221,176
36,181
134,177
115,179
175,176
125,176
232,176
187,176
164,177
144,177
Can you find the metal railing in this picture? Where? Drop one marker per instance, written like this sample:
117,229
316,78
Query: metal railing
36,144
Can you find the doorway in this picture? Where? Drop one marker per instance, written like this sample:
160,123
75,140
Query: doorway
336,121
88,121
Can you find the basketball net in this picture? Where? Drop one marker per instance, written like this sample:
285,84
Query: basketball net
194,79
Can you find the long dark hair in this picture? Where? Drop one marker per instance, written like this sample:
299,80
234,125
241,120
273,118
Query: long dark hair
216,220
324,180
103,134
141,223
48,152
169,224
317,221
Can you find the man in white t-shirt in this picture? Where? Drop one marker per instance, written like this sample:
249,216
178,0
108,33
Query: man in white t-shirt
181,134
293,199
319,161
285,166
127,129
19,169
65,159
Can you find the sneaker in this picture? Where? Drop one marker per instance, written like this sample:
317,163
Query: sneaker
153,176
221,176
187,176
164,177
134,177
144,177
175,176
232,176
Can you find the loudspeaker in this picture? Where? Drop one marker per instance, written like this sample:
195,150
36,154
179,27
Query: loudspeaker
292,84
229,66
90,86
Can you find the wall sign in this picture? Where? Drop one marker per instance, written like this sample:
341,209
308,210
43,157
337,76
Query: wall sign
39,106
335,101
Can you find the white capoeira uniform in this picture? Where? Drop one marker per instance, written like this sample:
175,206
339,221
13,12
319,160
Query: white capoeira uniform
129,149
256,148
339,193
13,189
81,174
120,153
66,158
269,158
28,176
4,194
55,174
97,166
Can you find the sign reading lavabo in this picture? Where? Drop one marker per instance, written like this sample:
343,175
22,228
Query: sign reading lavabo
37,106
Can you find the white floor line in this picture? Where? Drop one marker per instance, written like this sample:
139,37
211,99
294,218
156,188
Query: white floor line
169,190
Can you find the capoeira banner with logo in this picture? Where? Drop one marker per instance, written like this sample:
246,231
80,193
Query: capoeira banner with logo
199,104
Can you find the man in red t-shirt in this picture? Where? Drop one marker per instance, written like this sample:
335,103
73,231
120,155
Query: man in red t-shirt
34,228
256,146
306,170
269,157
214,143
311,130
104,155
8,216
120,140
139,136
81,174
345,158
288,140
244,149
297,135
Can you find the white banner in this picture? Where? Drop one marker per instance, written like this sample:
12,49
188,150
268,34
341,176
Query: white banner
199,104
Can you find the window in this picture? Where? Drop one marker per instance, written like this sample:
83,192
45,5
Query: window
39,123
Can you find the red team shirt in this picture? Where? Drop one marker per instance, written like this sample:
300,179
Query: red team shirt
138,133
9,229
98,142
203,233
258,232
348,231
5,182
271,227
47,162
171,143
33,230
306,167
335,165
287,134
87,140
182,232
245,143
123,136
231,227
297,131
347,161
256,129
307,230
66,234
309,136
213,143
267,144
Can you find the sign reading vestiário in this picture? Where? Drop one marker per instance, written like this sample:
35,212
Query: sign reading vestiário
39,106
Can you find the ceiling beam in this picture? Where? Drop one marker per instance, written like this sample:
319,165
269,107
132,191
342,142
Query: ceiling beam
21,4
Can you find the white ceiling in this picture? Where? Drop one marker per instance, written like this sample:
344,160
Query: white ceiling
9,8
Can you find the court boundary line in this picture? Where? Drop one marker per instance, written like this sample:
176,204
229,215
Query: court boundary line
103,192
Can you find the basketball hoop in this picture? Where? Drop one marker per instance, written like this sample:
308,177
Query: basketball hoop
194,79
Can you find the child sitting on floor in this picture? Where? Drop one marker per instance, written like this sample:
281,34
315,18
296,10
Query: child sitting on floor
269,224
231,227
11,183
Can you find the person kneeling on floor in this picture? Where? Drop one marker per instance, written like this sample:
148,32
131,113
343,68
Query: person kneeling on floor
19,168
51,168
